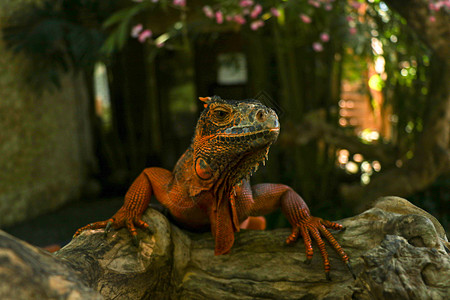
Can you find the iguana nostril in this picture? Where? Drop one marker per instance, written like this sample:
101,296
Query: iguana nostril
261,115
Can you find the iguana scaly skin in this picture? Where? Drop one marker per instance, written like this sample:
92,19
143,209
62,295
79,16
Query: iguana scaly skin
209,185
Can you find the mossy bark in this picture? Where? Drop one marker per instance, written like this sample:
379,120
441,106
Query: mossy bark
396,249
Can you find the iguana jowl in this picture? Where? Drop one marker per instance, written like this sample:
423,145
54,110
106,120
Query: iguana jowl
209,185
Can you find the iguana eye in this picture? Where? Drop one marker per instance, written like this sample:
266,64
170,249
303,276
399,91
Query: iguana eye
221,114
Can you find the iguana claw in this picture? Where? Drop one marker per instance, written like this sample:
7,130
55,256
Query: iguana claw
108,228
349,266
135,241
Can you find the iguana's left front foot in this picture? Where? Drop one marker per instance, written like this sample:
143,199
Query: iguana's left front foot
315,227
123,218
136,202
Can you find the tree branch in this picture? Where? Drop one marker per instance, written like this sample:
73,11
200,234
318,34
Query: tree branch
175,264
315,127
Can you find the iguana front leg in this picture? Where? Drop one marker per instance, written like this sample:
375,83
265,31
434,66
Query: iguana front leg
261,199
150,181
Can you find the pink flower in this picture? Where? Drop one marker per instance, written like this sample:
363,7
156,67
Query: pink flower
246,3
432,6
275,12
219,17
349,18
229,18
438,5
136,30
316,4
325,37
179,3
352,30
356,4
256,24
317,47
432,19
256,11
305,19
208,11
145,35
328,7
239,19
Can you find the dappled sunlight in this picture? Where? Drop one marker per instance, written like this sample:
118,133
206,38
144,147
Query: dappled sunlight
102,95
356,164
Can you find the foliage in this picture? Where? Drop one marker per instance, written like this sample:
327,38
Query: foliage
59,36
404,75
306,48
308,36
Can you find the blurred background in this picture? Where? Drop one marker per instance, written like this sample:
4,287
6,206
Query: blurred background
92,92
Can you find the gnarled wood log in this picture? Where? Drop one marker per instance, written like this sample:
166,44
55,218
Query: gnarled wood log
397,251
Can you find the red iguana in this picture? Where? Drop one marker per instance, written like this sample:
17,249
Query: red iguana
209,185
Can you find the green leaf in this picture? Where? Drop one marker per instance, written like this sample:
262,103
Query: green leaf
122,34
126,14
121,20
109,45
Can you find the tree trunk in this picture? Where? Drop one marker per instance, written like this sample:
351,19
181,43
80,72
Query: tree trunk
397,251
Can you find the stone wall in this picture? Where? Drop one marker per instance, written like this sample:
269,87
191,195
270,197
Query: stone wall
42,139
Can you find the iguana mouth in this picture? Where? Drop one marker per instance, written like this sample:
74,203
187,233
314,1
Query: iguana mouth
248,136
251,129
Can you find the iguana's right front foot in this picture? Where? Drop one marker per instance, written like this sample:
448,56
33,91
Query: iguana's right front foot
123,217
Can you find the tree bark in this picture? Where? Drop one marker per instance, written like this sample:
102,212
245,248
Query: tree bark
397,251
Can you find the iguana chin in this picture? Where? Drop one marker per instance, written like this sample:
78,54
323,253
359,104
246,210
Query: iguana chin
209,185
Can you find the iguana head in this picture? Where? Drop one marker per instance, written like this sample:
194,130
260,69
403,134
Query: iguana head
232,138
